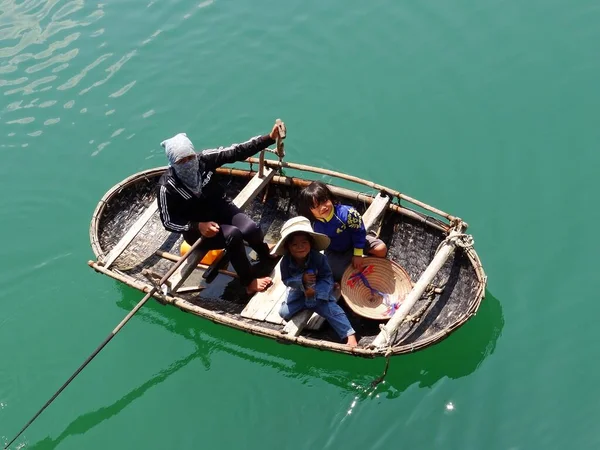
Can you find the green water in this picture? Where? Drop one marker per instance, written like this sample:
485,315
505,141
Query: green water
487,110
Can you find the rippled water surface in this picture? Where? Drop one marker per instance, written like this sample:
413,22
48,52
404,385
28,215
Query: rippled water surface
485,109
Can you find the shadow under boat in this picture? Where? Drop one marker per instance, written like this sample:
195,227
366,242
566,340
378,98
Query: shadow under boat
468,347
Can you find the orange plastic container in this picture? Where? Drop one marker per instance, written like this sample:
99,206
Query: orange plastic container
208,258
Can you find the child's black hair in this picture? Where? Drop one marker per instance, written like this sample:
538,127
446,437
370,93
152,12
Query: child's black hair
313,195
299,233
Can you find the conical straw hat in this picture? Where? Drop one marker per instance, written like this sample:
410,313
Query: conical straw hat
382,275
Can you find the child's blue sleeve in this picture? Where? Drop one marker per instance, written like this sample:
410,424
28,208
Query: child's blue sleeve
356,228
294,282
324,284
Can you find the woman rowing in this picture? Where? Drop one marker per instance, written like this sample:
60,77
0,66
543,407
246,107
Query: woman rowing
192,204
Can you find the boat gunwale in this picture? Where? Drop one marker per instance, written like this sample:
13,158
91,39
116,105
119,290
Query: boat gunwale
187,306
394,193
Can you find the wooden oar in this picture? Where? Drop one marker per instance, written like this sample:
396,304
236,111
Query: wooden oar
109,337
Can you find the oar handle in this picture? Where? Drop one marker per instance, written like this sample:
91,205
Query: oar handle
280,137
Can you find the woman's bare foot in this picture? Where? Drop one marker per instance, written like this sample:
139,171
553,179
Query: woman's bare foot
259,285
352,341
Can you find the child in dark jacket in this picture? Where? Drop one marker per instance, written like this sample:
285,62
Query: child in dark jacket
308,277
342,224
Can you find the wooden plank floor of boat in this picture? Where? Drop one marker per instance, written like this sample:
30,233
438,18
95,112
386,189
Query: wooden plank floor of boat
264,306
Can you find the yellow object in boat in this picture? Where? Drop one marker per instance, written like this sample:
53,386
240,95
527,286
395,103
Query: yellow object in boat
208,258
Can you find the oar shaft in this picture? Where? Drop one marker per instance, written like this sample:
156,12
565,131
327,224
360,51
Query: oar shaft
108,338
86,362
132,312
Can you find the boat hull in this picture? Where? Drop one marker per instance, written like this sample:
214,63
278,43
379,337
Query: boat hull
412,238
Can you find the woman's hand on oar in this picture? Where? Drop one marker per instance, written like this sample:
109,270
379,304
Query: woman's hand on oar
278,130
208,229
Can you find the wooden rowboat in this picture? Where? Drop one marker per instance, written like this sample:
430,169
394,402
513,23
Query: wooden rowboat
448,280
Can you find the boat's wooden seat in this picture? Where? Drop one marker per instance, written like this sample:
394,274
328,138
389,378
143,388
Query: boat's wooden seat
374,213
264,306
130,235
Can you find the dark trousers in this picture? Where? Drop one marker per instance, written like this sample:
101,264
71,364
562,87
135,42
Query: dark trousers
235,227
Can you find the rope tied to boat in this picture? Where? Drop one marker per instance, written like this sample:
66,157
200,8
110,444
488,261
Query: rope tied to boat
465,241
461,240
430,292
388,354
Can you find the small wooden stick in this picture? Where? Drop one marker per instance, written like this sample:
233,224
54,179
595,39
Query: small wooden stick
264,199
261,164
187,290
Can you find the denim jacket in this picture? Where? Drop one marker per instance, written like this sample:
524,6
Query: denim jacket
291,275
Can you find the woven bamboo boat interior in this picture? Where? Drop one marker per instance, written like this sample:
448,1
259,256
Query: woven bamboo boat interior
412,243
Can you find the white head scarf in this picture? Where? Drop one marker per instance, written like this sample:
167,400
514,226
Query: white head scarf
177,148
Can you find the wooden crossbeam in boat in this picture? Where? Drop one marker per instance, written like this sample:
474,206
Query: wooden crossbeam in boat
130,235
254,186
297,323
375,211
